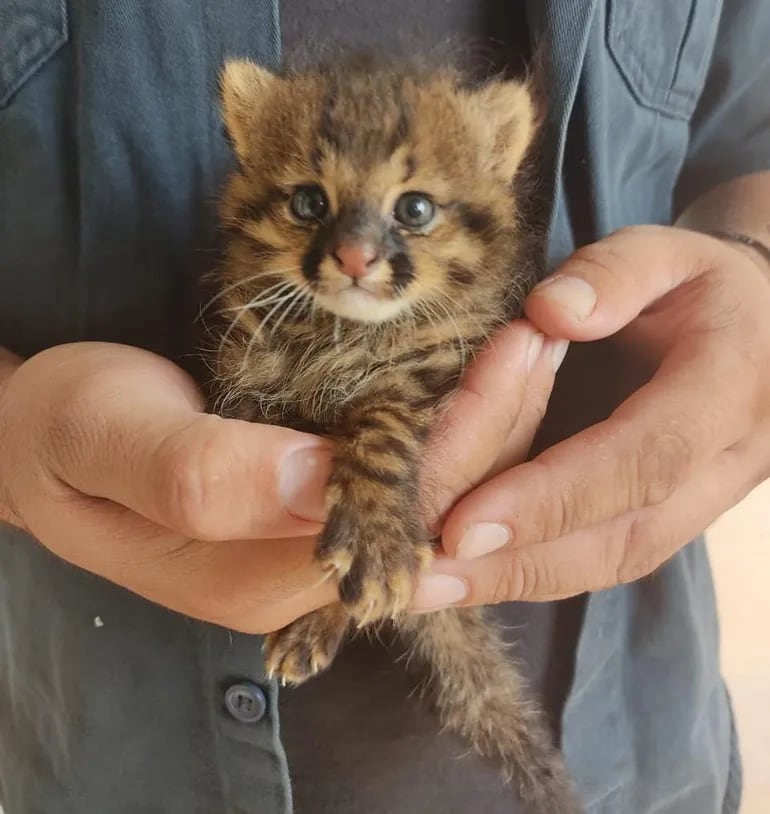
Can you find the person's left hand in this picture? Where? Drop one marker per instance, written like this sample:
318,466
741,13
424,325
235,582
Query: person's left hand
612,503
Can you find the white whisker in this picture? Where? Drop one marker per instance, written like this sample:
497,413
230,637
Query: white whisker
263,298
245,281
299,297
263,323
282,294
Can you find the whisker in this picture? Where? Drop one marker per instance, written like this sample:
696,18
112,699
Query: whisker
263,322
245,281
263,298
240,312
299,297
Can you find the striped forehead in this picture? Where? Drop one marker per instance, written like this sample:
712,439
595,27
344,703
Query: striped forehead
347,180
364,123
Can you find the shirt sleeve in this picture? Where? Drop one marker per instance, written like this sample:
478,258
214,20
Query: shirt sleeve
730,130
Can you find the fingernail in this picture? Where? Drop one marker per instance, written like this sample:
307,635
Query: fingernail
435,591
302,483
482,539
535,346
558,351
571,293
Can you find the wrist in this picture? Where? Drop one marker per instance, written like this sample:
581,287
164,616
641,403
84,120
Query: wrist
758,251
737,213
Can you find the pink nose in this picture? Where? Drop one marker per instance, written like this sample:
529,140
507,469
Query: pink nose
355,259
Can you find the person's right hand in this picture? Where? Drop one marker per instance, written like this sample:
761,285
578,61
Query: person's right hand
109,460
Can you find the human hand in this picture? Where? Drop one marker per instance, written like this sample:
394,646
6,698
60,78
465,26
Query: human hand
612,503
489,424
109,460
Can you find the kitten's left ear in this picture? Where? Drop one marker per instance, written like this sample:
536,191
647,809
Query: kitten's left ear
505,111
244,87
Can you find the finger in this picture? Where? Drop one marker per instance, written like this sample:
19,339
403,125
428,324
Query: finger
605,285
537,394
638,457
624,549
247,585
134,434
484,410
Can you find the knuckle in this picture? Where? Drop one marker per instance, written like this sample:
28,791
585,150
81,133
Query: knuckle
557,514
570,511
603,258
521,579
79,390
64,440
73,419
662,464
643,552
507,583
194,477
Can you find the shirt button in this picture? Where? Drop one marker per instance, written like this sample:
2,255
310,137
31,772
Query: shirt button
246,702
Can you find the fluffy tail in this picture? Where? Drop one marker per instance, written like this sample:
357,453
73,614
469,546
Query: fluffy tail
481,696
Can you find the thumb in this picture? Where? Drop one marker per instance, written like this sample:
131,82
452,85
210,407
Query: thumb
603,286
128,427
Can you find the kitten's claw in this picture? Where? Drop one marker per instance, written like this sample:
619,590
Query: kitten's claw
366,617
372,590
377,572
306,646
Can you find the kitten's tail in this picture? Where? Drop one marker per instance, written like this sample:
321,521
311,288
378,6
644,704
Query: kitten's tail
480,695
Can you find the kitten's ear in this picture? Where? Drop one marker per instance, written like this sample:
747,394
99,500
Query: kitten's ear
244,87
506,113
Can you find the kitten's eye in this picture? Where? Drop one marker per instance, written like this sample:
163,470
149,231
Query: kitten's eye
414,210
309,203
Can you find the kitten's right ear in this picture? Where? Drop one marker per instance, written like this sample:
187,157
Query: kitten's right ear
505,113
244,87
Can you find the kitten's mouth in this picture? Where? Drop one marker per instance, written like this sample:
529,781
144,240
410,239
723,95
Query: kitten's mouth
361,300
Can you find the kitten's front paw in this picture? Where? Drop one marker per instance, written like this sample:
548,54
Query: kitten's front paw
376,572
306,646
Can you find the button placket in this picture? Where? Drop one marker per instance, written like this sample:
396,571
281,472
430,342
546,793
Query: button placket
243,715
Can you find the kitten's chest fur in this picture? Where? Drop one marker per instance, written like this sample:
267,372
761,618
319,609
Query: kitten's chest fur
309,377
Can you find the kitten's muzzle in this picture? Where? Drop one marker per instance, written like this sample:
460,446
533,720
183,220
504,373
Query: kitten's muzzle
356,259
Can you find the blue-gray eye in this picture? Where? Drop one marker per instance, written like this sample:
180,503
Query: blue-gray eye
414,210
309,203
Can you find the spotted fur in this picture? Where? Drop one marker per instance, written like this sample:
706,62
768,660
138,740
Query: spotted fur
369,362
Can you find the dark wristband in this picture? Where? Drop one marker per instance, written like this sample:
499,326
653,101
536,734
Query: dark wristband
751,242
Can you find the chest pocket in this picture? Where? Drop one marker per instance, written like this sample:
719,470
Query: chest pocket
31,32
663,49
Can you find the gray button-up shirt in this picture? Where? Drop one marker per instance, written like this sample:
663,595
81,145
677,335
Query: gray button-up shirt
111,156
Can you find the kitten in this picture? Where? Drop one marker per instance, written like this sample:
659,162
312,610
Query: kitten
375,241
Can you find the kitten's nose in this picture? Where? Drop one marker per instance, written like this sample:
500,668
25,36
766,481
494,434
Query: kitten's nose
356,259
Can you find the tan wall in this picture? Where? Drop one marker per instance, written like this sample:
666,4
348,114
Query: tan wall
740,555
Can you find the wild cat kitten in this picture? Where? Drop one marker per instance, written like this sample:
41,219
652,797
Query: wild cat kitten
375,242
